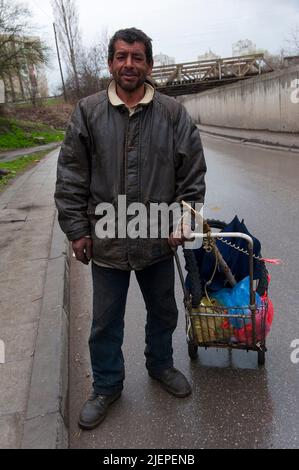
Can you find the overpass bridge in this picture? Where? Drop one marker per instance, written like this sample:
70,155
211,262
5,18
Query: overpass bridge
194,77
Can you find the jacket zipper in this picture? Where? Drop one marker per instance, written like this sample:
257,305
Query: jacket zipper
126,158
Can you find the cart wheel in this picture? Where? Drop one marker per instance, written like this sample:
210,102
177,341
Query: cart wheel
194,277
217,224
261,357
192,350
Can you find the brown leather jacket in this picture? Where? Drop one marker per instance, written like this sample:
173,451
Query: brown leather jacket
155,155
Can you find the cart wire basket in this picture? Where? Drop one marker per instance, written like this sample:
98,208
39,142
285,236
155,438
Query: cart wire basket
209,324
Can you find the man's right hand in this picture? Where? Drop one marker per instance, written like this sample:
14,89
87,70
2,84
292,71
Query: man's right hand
181,235
83,249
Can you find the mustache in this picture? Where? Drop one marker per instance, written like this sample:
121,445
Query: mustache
130,73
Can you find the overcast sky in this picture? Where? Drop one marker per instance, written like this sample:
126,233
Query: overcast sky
180,29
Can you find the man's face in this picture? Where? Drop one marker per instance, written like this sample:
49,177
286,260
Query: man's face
129,66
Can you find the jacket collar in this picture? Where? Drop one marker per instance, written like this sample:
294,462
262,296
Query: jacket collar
116,101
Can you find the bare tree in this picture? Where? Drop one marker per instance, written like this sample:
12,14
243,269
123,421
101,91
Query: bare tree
275,60
19,48
67,22
293,41
92,67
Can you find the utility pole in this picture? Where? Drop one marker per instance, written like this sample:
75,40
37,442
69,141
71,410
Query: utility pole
58,55
69,37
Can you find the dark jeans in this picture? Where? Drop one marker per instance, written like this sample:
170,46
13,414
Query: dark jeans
110,287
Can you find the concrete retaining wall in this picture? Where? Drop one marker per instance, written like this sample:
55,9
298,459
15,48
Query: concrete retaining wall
268,102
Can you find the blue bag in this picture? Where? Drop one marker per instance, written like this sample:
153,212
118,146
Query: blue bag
237,296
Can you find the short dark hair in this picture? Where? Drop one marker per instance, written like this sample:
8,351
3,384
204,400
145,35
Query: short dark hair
131,35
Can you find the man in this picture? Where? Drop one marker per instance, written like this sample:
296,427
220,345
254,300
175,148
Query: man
129,140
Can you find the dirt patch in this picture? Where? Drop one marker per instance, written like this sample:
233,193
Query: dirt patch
56,116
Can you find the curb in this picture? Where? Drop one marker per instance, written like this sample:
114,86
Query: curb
251,141
47,421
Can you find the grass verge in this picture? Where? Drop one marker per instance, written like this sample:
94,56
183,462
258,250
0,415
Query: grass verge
15,134
19,166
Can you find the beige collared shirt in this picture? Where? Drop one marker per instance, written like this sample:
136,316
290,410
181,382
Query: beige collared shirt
116,101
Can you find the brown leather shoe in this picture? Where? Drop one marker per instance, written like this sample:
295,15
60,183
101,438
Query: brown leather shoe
95,409
173,381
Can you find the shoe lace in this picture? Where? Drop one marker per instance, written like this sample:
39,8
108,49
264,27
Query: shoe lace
100,398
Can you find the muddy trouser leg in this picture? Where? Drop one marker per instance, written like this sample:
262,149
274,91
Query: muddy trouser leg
157,285
110,288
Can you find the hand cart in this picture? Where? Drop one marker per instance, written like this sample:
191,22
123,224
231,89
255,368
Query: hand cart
210,325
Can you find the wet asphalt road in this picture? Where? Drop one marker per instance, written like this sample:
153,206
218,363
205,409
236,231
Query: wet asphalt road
234,404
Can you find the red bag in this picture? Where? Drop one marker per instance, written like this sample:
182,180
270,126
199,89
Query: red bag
244,335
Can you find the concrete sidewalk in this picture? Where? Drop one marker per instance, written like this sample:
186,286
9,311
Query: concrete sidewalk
13,154
33,313
278,140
